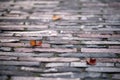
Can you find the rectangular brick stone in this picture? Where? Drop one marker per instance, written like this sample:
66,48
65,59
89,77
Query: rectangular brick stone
94,55
23,27
35,33
8,58
103,69
99,35
11,28
17,11
100,42
67,38
25,63
66,26
72,75
63,41
45,50
105,29
89,75
77,38
33,2
17,54
55,59
57,65
116,76
78,64
114,47
9,40
3,77
8,67
6,34
104,64
93,50
41,78
112,60
22,44
117,64
32,69
22,17
12,44
63,69
84,64
5,48
64,74
16,73
21,38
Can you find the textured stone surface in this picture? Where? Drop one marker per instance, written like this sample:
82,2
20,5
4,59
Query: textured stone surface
68,33
57,64
55,59
3,77
25,63
78,64
44,50
116,76
96,55
117,64
40,78
102,69
100,50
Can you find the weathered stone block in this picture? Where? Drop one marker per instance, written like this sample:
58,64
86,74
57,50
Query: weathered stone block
3,77
103,69
5,49
54,59
57,65
25,63
78,64
116,76
45,50
84,55
94,50
41,78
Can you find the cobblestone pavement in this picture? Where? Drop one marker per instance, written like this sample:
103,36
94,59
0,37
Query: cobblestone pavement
59,39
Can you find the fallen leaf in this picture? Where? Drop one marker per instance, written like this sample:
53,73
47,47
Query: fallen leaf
33,43
56,17
91,61
39,43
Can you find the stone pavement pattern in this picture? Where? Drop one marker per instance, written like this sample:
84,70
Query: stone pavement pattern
52,39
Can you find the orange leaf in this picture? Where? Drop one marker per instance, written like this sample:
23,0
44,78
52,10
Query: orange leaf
33,43
56,17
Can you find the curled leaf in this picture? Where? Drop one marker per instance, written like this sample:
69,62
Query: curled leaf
56,17
91,61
